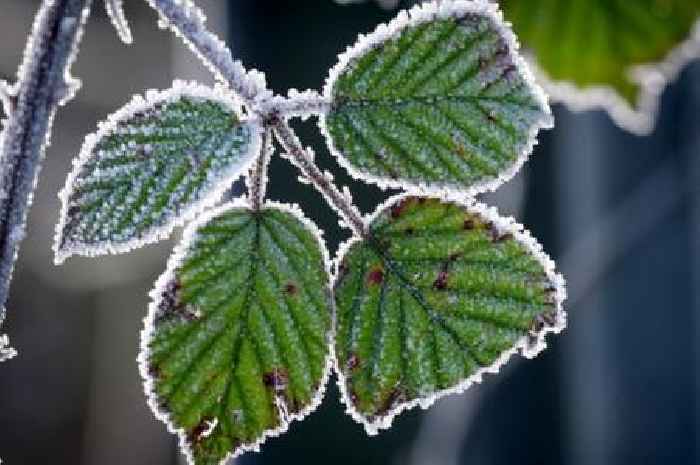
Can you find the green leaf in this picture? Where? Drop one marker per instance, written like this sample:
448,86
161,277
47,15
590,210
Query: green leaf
598,44
437,100
441,294
153,165
237,338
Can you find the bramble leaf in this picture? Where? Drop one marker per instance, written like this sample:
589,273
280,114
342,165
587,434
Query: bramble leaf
437,100
597,44
237,339
441,294
152,166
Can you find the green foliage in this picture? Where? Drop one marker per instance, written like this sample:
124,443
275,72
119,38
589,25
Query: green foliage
429,294
239,339
443,103
152,166
596,43
439,293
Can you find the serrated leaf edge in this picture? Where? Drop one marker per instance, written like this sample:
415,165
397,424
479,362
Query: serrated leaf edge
138,103
175,260
652,78
417,15
524,346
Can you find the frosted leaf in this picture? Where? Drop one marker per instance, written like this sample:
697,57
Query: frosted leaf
115,11
153,165
442,293
237,339
437,100
615,55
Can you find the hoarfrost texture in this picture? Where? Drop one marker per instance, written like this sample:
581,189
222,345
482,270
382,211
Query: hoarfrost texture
43,83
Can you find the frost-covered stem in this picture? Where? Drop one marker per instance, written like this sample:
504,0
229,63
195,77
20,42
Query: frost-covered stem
320,180
257,181
44,83
187,21
301,104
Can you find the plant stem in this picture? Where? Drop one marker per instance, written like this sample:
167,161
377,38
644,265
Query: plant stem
305,162
257,181
187,21
301,104
44,83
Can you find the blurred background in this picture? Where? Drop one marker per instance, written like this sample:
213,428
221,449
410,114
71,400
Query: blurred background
620,213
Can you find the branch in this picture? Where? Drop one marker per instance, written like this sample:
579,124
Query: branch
323,182
44,83
186,20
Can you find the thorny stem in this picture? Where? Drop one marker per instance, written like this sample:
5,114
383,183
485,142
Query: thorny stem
187,21
44,83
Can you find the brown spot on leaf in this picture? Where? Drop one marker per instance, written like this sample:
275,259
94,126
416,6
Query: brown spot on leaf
375,276
468,224
276,379
460,149
398,209
353,362
440,282
290,288
154,371
396,396
197,434
543,320
498,237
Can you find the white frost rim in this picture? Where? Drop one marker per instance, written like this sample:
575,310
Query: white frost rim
652,78
216,190
415,16
524,346
175,260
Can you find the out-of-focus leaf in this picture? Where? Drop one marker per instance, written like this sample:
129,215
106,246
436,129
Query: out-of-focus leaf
597,44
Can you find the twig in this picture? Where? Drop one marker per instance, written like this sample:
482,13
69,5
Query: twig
187,21
301,104
44,83
257,178
303,159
